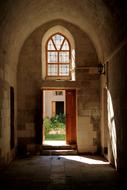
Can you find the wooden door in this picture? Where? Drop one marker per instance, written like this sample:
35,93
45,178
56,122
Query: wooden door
71,116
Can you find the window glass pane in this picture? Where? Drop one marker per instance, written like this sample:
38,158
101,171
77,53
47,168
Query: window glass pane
58,39
59,93
65,45
64,70
52,57
51,45
64,57
52,70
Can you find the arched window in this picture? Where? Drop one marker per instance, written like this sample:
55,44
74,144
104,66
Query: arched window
58,57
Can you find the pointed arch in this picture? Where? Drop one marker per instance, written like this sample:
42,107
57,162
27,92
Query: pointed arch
59,43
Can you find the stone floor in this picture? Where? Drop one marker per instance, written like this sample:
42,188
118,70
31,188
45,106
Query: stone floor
61,173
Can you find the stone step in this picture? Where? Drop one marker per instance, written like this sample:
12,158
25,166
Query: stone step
59,152
59,147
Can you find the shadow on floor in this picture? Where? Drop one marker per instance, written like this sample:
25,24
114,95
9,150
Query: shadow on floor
62,173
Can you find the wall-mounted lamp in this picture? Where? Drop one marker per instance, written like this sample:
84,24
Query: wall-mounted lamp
101,68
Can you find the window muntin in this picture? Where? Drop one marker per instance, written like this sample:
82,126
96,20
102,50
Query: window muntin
58,56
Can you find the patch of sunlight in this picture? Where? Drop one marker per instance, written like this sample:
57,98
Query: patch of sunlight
73,65
85,160
112,127
54,143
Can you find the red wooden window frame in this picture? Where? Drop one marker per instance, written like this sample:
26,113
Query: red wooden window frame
58,63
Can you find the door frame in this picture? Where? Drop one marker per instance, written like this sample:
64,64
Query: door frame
65,89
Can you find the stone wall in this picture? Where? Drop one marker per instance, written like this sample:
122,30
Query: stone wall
117,87
105,22
87,84
7,80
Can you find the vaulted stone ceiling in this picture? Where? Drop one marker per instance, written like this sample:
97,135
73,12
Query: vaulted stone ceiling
18,19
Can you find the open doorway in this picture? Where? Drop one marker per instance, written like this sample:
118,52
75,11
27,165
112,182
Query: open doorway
54,116
59,116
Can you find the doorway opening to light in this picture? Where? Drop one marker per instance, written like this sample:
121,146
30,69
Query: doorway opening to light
54,117
59,116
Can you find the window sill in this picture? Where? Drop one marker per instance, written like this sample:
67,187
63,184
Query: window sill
58,78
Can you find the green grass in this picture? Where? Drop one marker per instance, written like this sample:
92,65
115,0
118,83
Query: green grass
55,137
